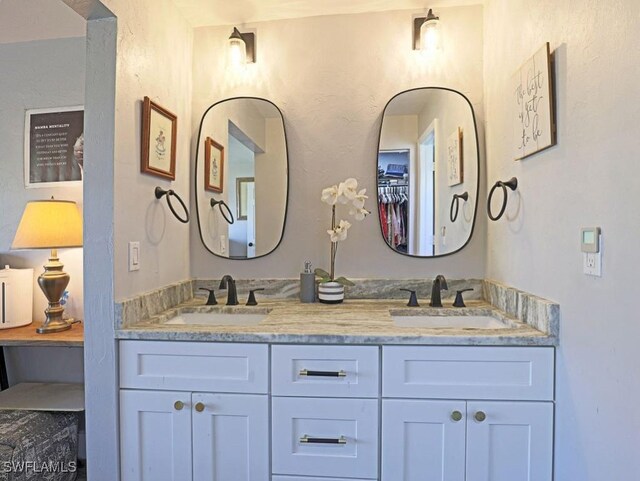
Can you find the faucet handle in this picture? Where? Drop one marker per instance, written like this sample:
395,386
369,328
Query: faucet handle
211,300
252,297
459,302
413,299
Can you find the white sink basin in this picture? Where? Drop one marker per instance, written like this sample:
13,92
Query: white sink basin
217,319
460,322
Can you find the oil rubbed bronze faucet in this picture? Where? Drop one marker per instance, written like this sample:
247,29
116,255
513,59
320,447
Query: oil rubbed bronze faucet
439,284
229,284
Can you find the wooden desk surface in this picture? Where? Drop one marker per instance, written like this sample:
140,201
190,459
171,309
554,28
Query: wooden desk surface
27,336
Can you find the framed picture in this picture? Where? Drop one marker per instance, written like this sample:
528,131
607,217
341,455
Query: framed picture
213,166
455,171
159,136
242,196
534,126
53,146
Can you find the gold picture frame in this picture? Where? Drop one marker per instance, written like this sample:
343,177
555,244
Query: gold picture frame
159,136
213,166
241,196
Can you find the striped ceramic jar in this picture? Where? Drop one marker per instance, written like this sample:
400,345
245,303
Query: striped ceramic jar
330,292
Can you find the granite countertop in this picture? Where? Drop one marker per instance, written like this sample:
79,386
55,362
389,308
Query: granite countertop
357,321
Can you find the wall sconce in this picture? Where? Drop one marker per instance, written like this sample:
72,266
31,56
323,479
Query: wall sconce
242,47
426,32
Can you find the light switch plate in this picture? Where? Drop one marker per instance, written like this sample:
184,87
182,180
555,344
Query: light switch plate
134,256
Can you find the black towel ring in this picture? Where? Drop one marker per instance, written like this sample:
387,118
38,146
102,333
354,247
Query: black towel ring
160,192
221,203
455,203
512,184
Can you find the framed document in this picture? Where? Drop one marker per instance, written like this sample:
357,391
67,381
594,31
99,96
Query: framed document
53,146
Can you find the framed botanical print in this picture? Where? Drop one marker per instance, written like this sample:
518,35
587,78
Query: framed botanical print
213,166
159,136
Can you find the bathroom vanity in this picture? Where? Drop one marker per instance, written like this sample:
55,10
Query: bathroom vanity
308,392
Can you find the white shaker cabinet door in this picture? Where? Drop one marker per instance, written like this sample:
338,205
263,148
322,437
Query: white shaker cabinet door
155,436
423,440
230,437
509,441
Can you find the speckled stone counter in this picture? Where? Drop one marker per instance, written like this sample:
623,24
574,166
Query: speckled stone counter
356,321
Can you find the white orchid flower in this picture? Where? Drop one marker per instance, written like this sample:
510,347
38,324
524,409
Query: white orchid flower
358,201
340,232
359,212
330,195
347,190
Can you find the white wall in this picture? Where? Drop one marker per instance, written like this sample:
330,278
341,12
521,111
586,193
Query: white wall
46,73
331,76
27,20
154,59
592,177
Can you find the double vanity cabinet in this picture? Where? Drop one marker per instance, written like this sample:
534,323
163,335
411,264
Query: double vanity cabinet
200,411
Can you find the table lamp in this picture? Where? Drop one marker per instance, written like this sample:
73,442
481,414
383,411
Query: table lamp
51,224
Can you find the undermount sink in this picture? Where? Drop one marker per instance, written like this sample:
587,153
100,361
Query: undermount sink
218,319
460,322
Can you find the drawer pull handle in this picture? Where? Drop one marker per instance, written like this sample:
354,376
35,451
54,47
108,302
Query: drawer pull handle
309,440
456,416
178,405
480,416
340,373
199,407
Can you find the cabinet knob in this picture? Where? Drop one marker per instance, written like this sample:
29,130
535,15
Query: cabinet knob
480,416
178,405
456,416
199,407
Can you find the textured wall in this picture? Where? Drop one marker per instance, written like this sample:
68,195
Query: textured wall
332,76
591,177
154,59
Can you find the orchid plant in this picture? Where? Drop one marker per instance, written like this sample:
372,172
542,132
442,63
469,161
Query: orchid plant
345,193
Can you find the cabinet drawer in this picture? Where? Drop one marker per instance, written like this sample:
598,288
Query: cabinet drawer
306,478
510,373
194,366
341,437
326,371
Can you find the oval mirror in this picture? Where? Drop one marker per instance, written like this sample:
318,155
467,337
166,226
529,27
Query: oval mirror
242,178
428,172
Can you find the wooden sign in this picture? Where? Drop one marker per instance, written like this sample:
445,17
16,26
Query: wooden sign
532,94
454,158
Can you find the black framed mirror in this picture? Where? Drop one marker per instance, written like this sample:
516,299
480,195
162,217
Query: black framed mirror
428,172
242,178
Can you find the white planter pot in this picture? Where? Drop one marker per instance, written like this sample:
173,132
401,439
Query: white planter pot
330,293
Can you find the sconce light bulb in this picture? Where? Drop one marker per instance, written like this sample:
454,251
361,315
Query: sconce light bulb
237,49
430,33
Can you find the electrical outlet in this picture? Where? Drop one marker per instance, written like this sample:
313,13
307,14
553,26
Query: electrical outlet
134,256
592,263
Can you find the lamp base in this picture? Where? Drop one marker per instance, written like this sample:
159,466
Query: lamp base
48,328
53,281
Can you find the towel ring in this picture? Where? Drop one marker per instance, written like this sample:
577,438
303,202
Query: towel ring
455,203
221,203
512,184
160,192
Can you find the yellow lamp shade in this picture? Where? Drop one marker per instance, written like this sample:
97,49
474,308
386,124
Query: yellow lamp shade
49,224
